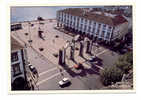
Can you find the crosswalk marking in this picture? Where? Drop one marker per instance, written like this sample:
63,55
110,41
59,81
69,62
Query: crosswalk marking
52,69
59,72
49,78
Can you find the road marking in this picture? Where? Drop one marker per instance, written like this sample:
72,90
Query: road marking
42,81
52,69
49,78
101,52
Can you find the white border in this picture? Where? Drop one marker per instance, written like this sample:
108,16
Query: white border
70,4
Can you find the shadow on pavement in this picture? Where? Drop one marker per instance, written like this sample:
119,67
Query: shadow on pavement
96,61
74,61
82,71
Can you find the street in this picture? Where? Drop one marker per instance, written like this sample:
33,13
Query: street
49,75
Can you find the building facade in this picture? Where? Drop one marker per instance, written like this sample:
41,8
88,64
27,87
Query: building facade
18,58
15,27
100,25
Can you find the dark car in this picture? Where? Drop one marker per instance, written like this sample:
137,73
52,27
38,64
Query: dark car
33,70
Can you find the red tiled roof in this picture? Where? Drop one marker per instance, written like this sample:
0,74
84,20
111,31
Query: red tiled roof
101,18
119,20
15,45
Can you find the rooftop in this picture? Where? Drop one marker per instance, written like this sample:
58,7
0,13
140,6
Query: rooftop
15,45
112,20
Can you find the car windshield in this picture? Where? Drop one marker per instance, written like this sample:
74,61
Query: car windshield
64,80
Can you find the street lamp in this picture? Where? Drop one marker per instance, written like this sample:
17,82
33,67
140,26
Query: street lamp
30,41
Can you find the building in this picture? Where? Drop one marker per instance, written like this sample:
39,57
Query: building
18,58
22,76
97,24
15,27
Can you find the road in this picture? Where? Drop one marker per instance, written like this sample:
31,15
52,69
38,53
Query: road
49,75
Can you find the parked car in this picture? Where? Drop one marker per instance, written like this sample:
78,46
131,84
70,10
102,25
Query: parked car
33,70
64,81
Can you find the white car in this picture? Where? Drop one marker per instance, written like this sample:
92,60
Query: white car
64,81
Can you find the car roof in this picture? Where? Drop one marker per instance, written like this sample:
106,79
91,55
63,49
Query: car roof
64,79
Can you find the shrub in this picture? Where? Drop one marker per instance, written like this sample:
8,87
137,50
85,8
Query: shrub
125,62
110,75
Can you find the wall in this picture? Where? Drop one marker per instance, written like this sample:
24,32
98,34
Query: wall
21,66
120,30
85,26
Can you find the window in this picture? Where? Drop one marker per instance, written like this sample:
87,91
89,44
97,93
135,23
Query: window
89,29
59,18
102,34
77,25
71,17
16,69
94,23
108,35
78,20
104,25
82,20
64,20
110,27
14,56
90,23
98,31
81,25
74,18
99,26
93,30
85,21
85,27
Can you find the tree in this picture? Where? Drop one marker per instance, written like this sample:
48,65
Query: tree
111,75
114,74
125,62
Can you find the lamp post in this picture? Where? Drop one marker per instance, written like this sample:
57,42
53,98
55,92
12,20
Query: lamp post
30,41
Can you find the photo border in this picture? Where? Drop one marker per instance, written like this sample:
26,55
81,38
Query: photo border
72,91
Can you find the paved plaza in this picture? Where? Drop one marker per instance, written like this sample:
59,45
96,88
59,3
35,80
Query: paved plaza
50,73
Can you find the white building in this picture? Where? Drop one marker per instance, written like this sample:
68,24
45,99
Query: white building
99,25
18,58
